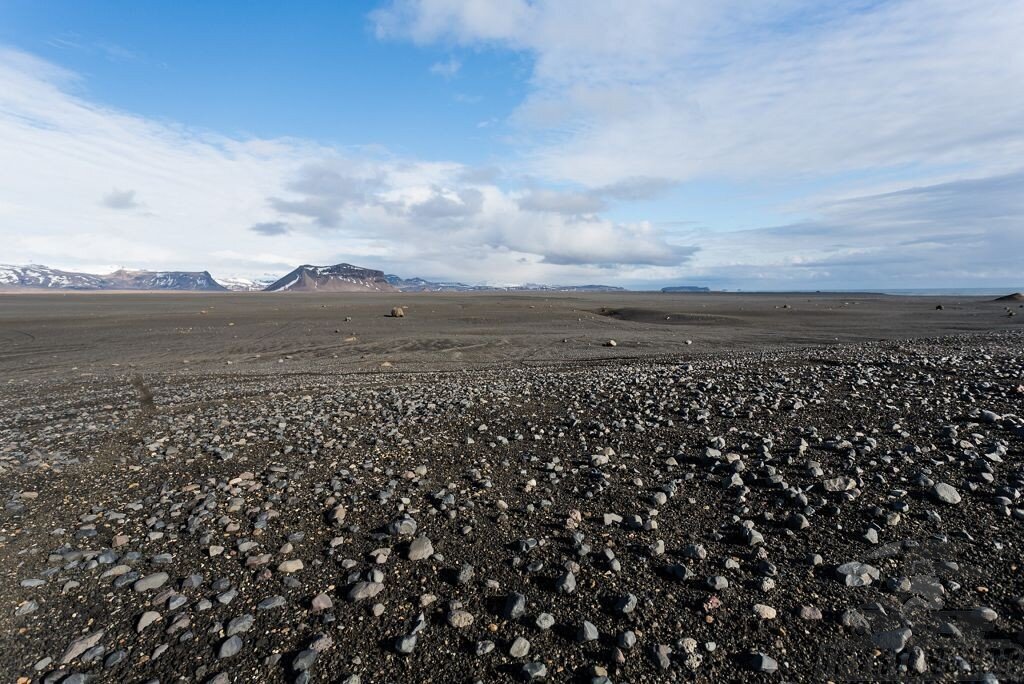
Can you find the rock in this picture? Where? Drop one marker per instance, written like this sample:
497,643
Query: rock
229,647
520,648
839,484
361,591
80,646
304,660
717,582
406,644
545,621
625,605
856,574
566,584
810,613
420,548
321,602
587,632
290,566
460,619
660,654
148,618
271,602
892,640
533,671
760,662
945,493
515,606
150,582
337,515
764,612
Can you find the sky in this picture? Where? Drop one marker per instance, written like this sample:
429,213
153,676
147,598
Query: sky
782,144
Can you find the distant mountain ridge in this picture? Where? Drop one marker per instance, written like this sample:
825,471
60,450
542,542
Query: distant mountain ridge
685,288
306,278
36,276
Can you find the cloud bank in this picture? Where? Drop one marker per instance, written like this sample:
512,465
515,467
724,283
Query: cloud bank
887,135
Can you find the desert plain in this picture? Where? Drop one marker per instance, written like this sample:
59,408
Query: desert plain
302,487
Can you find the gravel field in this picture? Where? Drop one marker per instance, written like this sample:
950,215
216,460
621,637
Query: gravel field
250,488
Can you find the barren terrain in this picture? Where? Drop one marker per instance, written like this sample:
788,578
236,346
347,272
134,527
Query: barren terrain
205,487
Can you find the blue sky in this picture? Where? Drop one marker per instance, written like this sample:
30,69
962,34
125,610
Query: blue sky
787,144
272,70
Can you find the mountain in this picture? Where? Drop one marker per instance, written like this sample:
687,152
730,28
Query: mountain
685,288
421,285
162,280
530,287
41,277
240,284
337,278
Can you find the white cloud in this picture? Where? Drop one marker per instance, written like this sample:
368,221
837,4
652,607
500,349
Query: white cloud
902,117
745,90
447,69
210,200
120,199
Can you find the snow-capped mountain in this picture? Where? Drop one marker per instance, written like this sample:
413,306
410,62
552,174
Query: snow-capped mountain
337,278
42,277
241,284
421,285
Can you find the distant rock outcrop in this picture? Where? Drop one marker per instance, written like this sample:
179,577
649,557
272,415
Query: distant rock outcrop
1015,297
685,288
337,278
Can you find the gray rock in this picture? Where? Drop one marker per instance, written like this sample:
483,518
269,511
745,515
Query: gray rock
240,624
364,590
587,632
857,574
271,602
625,605
304,660
80,646
460,619
148,618
229,647
945,493
760,662
421,548
660,654
515,606
321,602
520,648
406,644
892,640
532,671
149,582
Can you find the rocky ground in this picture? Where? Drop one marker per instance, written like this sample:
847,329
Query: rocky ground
849,512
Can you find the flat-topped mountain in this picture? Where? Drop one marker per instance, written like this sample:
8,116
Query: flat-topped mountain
337,278
685,288
39,277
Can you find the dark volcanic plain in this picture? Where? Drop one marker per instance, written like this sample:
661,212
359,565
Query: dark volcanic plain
290,487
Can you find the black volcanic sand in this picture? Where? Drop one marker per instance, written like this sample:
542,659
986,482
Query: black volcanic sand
817,488
84,335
